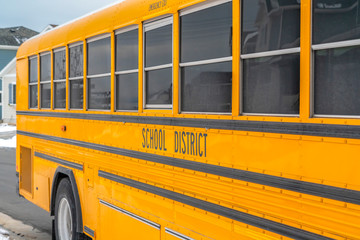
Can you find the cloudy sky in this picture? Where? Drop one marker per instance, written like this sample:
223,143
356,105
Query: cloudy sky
37,14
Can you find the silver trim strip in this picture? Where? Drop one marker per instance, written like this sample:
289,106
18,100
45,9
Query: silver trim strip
271,115
33,83
325,46
76,78
33,57
177,234
207,113
75,44
209,61
201,6
157,24
44,82
336,116
270,53
126,29
59,49
132,215
127,71
98,37
59,80
99,75
169,65
158,106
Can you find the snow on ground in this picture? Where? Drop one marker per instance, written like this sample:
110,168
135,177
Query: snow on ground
4,235
9,143
4,127
6,140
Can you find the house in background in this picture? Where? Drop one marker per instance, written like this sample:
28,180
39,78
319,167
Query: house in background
10,40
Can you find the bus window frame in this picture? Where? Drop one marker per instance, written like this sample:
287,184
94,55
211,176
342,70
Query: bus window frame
70,45
116,73
42,54
193,9
89,40
148,26
33,83
59,49
327,46
271,53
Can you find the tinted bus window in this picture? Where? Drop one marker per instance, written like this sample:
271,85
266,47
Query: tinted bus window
271,78
206,35
45,80
99,57
76,71
33,82
158,64
60,78
126,57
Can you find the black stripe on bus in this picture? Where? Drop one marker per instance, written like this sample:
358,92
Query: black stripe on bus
308,129
246,218
315,189
89,231
59,161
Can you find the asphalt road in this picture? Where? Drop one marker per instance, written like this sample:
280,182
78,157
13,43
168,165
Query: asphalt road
13,205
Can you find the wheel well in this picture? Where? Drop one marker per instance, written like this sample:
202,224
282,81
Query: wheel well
60,174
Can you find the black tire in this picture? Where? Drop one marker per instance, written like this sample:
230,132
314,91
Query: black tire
65,198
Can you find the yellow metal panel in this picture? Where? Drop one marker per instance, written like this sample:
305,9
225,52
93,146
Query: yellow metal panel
41,191
175,60
85,96
314,159
117,225
141,72
236,59
112,78
305,59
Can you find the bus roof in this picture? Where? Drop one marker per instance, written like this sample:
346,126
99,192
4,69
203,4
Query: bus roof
104,20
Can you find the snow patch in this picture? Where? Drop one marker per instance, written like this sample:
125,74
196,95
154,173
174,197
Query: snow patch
8,143
4,127
4,235
7,131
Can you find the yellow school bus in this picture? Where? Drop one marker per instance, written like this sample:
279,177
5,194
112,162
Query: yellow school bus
193,119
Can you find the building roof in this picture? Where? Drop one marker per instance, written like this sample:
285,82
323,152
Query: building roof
15,36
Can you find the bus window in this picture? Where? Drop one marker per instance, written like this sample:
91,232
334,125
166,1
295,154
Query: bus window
206,58
76,71
158,64
336,33
45,80
270,56
98,72
59,78
126,58
33,82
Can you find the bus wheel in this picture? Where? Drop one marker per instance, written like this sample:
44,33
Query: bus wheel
65,212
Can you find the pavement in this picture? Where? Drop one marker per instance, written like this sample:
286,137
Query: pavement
21,218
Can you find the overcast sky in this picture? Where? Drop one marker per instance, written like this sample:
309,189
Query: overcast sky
37,14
